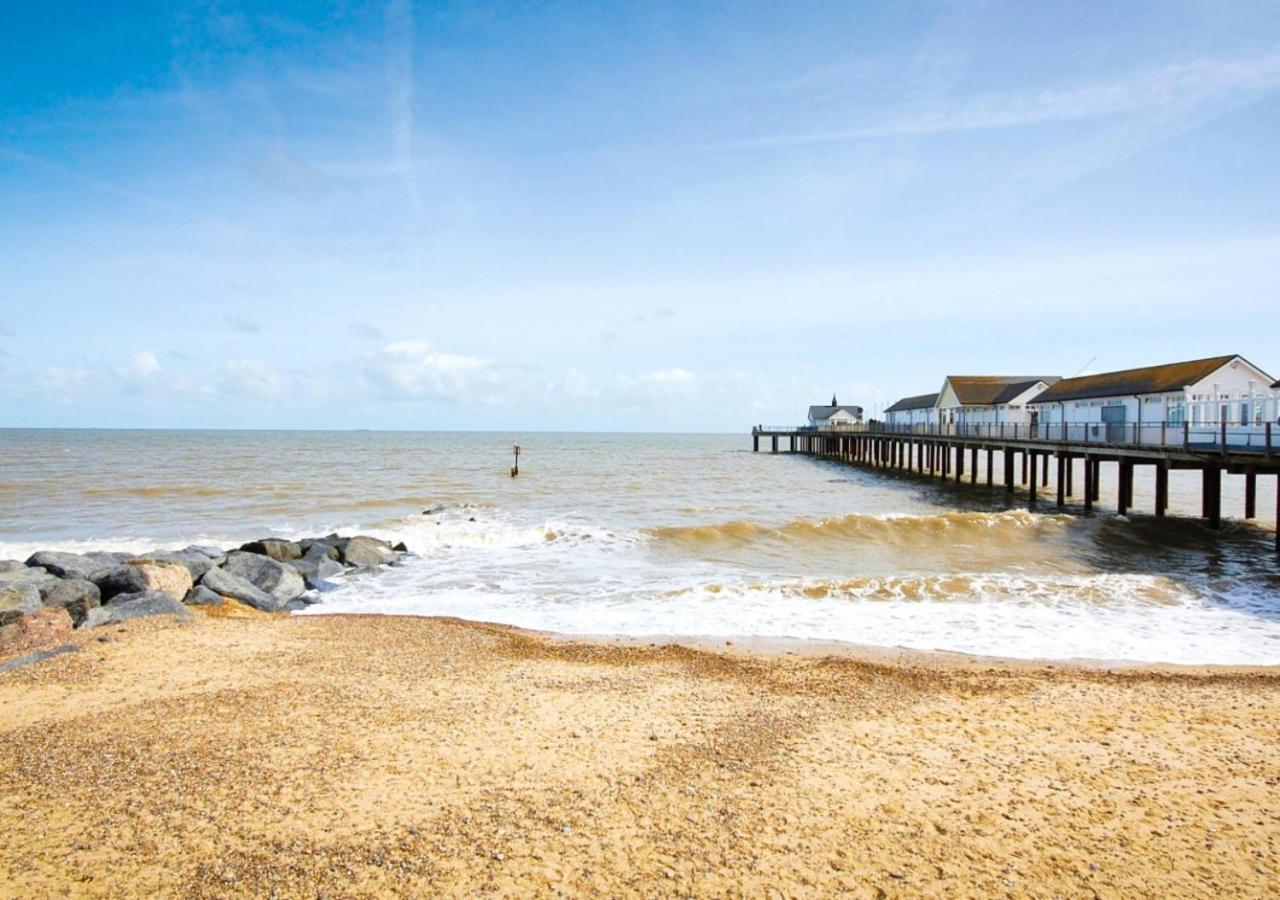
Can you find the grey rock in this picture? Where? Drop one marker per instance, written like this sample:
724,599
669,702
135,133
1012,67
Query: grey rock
214,553
279,550
316,571
400,548
295,605
202,596
132,606
315,548
280,580
26,575
75,595
75,565
16,600
11,565
225,584
366,551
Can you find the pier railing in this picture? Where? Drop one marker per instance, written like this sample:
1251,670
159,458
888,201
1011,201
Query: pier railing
1263,438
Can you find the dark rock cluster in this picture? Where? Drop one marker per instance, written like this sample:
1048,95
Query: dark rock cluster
104,588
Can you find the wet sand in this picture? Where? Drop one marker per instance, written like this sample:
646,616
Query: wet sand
354,756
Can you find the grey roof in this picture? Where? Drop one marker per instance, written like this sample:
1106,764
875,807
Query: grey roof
1276,385
1126,383
826,412
920,401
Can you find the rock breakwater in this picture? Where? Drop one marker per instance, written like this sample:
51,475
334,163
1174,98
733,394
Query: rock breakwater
99,588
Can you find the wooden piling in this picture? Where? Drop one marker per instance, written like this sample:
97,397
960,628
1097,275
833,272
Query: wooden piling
1008,470
1211,491
1162,488
1089,475
959,464
1031,484
990,462
1124,475
1062,482
1250,493
973,466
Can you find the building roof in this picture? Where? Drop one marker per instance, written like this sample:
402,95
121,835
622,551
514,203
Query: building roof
1126,383
984,390
920,401
1276,385
826,412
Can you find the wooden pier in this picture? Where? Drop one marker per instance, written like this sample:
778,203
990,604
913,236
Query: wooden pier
1030,454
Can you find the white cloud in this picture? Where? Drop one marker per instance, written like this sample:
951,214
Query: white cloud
141,365
254,378
411,370
243,325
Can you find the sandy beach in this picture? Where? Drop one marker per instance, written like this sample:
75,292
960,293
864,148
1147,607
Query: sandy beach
362,756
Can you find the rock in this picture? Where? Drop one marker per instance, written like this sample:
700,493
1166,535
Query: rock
295,605
17,600
315,548
400,548
39,656
75,595
132,606
366,551
145,575
279,550
34,630
214,553
315,571
278,579
225,584
11,565
434,510
194,561
26,575
202,596
75,565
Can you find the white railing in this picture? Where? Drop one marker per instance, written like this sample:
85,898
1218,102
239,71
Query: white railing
1256,438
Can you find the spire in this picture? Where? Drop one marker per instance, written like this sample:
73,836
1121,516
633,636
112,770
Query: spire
833,400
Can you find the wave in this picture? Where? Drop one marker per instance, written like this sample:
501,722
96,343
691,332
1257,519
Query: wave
888,528
161,490
1088,590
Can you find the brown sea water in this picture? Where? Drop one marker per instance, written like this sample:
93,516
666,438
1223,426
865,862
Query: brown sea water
687,534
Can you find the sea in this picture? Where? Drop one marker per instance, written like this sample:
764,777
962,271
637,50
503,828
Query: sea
675,535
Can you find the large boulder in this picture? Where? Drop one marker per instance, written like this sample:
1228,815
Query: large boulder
42,628
75,595
280,580
317,570
26,575
131,606
194,561
145,575
214,553
202,596
366,551
16,600
225,584
279,550
75,565
11,565
314,548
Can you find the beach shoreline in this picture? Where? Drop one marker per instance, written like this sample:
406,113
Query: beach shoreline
244,753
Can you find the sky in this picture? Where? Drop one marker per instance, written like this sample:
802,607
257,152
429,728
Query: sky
647,216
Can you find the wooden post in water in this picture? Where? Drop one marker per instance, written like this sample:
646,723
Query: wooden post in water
1062,482
1089,475
990,462
1044,479
1024,467
973,466
1071,473
1097,480
1008,470
1211,488
959,463
1124,477
1250,492
1162,487
1031,485
515,469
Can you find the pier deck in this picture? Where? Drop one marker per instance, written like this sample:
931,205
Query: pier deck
1034,451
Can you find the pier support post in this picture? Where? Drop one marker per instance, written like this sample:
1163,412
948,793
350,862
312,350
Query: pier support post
959,463
1125,479
1008,470
1024,467
1211,489
1089,475
973,466
1162,487
1062,481
1031,485
1097,480
755,443
1044,477
775,443
1071,472
990,462
1250,493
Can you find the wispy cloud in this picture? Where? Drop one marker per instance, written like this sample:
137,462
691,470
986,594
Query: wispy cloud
243,325
412,370
1175,86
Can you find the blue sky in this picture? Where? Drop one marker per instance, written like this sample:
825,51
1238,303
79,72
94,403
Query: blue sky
678,216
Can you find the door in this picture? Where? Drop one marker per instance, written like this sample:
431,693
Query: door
1114,418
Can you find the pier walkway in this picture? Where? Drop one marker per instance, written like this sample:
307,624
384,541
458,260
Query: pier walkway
1032,451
